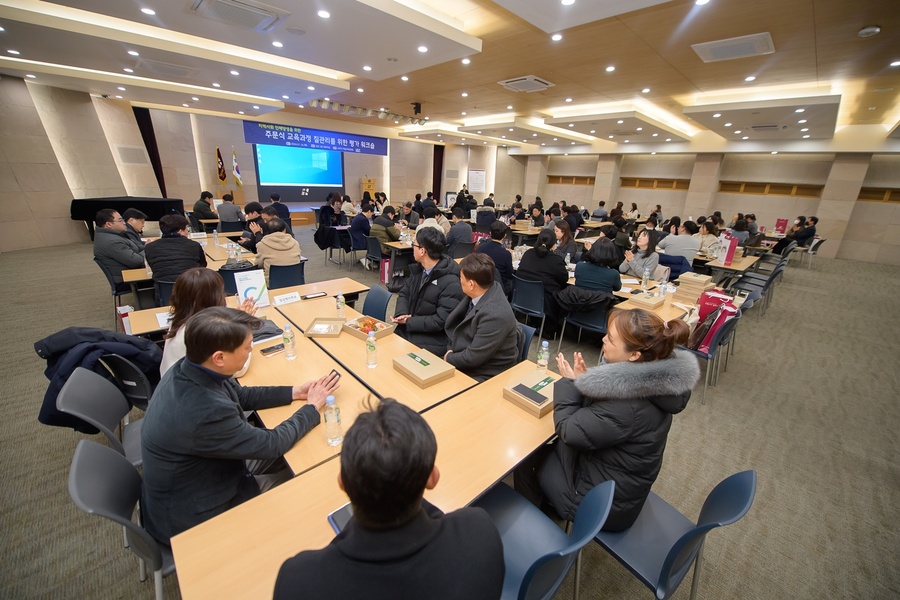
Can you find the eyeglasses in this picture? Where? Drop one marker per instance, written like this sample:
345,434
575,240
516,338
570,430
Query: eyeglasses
118,220
415,245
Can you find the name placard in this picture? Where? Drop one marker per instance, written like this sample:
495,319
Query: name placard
287,298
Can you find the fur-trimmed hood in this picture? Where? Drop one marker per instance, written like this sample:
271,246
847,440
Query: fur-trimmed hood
661,381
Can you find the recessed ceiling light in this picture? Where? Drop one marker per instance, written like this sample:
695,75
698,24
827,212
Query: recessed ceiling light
654,135
422,49
801,121
462,139
133,53
610,69
465,94
327,99
611,136
533,135
567,2
869,31
805,136
804,130
367,68
195,98
324,14
404,78
360,90
653,153
699,3
626,141
426,118
728,124
639,129
484,142
466,61
311,88
417,137
235,73
127,70
571,124
240,112
896,63
285,97
746,137
30,76
300,106
555,139
800,110
396,122
645,91
543,143
593,131
774,152
14,52
278,44
568,99
439,135
668,139
120,88
750,78
186,105
118,97
717,115
511,129
872,107
216,85
148,11
737,132
463,113
2,29
556,37
620,121
573,143
255,107
477,132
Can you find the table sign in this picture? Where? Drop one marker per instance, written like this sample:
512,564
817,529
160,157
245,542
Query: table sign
287,298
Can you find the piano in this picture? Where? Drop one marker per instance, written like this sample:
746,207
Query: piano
85,209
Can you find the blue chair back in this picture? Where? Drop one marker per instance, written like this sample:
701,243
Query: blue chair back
377,299
163,291
117,288
286,276
373,249
528,332
728,502
593,320
528,296
463,249
676,264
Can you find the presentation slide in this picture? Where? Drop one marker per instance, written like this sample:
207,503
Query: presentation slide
298,167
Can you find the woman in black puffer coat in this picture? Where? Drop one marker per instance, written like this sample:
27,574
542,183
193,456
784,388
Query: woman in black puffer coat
612,420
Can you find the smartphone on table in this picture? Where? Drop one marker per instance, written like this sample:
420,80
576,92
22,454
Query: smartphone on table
272,350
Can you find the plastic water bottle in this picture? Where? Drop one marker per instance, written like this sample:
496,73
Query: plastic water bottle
216,237
334,433
340,303
645,280
663,287
371,351
543,357
290,349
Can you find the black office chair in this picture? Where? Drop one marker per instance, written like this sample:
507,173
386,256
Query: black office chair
463,249
130,380
163,292
230,226
118,289
528,298
195,224
228,278
373,251
286,276
594,320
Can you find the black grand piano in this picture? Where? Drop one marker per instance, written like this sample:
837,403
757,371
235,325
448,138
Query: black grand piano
85,209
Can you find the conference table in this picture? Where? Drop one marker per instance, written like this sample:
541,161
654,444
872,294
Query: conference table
481,437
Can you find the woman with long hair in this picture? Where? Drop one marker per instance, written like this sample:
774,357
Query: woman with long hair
634,213
565,243
612,420
708,235
642,256
598,268
541,264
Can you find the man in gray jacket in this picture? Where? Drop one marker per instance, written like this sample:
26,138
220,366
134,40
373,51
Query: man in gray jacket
195,437
112,247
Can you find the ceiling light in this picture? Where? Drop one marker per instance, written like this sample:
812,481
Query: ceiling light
800,110
360,90
404,78
717,115
801,121
774,152
626,141
653,153
896,63
568,99
573,143
750,78
645,91
14,52
737,132
463,113
462,139
466,61
533,135
367,68
426,118
804,130
324,14
422,49
593,130
654,135
311,88
235,73
133,53
240,112
417,137
746,137
278,44
396,122
127,70
30,76
118,97
477,132
120,88
668,139
300,106
255,107
567,2
464,95
326,99
698,3
869,31
728,124
571,124
542,143
185,105
556,37
216,85
611,136
511,129
195,98
620,121
285,97
2,29
555,139
806,136
484,142
639,129
610,69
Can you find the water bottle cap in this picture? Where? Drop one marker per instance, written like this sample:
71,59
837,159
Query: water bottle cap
287,326
371,334
545,344
329,400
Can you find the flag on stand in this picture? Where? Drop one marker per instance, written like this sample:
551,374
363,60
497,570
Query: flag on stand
235,169
221,165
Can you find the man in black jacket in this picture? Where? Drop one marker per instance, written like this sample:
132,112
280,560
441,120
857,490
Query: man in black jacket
173,253
396,545
254,232
203,208
430,294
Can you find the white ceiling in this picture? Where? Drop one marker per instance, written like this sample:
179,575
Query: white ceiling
552,16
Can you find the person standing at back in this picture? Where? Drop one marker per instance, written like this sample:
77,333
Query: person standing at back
397,545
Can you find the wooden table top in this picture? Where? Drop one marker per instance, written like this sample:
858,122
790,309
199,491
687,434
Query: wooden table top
595,224
667,311
142,274
399,245
738,265
221,252
237,554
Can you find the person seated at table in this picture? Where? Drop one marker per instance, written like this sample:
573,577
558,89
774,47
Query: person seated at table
384,229
537,202
361,226
484,335
612,420
195,438
670,227
428,201
573,218
431,219
471,203
542,264
330,214
409,217
537,217
617,211
642,256
229,212
799,232
684,244
484,216
269,213
499,254
430,293
657,212
739,231
612,233
173,253
707,236
752,225
489,201
600,213
112,247
255,222
651,223
634,213
203,207
417,205
460,203
518,213
737,217
194,290
348,208
460,231
134,226
396,544
565,243
277,247
598,267
552,216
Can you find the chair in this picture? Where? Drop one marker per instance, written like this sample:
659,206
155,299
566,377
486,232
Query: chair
483,228
593,320
812,250
538,554
228,279
630,226
528,332
118,289
196,226
377,299
662,544
528,298
99,402
163,291
230,226
286,276
131,381
373,250
104,484
721,338
764,283
463,249
677,265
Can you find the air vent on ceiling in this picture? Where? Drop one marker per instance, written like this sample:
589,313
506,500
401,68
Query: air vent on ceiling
246,14
766,127
737,47
528,83
167,70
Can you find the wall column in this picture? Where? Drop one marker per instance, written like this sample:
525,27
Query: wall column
606,180
535,178
859,236
701,193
